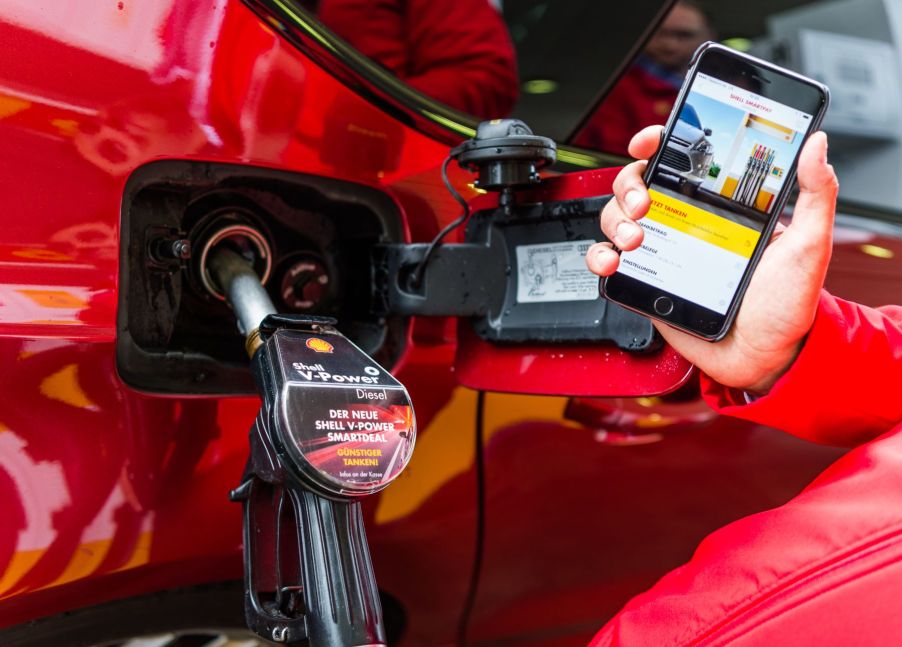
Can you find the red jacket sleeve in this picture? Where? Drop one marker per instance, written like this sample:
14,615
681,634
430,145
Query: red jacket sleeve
826,567
845,387
823,569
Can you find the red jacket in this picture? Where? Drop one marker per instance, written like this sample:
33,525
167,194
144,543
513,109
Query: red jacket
456,51
825,568
639,99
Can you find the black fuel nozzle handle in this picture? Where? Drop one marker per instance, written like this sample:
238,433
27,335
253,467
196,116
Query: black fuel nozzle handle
339,584
308,573
334,599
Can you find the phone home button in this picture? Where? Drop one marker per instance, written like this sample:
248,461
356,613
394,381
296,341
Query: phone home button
663,306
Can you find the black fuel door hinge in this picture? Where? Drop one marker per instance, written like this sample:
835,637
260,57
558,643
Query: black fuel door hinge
460,280
520,277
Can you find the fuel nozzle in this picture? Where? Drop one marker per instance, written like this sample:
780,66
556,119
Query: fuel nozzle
314,452
239,282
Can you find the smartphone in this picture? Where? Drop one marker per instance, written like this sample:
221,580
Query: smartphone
720,179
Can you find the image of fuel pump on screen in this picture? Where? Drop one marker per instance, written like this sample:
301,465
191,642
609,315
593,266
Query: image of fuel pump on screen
730,146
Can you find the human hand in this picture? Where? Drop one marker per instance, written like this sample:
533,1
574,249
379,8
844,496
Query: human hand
779,305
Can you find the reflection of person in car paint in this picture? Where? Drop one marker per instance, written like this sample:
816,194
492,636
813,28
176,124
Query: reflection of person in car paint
458,52
130,132
646,93
823,568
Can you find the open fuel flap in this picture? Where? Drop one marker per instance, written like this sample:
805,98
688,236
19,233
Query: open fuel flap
532,319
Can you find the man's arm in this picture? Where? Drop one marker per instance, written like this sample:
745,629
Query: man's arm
845,386
779,306
821,368
824,369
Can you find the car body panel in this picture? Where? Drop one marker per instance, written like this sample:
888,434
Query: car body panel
111,492
108,492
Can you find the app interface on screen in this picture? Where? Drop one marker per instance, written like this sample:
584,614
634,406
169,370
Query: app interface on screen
713,191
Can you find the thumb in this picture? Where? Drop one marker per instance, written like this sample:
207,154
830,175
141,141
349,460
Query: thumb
812,217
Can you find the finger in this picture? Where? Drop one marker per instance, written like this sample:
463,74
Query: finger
601,259
644,143
630,190
632,200
619,227
680,340
818,188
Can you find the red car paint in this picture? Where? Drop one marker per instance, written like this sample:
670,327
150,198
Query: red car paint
565,370
106,492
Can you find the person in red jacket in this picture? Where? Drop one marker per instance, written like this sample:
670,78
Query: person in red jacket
826,567
645,94
458,52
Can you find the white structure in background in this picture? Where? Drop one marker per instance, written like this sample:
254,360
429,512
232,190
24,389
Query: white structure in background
855,47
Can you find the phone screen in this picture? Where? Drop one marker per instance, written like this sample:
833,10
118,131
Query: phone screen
722,173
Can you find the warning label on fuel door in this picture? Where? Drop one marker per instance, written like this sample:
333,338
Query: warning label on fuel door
555,272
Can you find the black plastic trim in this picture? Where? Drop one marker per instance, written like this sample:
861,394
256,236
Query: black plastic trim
151,299
479,279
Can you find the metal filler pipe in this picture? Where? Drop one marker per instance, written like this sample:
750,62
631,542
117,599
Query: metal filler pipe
241,285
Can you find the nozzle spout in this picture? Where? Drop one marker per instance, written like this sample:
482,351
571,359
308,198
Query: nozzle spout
241,286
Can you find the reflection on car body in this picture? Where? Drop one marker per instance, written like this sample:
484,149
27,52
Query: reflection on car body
110,492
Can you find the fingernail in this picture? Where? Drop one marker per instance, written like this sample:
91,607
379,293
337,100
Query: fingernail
601,260
626,232
632,199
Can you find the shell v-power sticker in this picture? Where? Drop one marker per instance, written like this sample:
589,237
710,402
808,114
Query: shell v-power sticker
349,419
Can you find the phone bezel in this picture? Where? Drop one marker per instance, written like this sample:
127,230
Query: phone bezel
686,315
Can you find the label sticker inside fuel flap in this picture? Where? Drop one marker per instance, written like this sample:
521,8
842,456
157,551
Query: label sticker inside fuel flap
349,418
555,272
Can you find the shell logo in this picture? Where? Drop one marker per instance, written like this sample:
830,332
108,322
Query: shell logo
319,345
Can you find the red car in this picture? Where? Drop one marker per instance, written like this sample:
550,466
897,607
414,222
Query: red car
553,477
